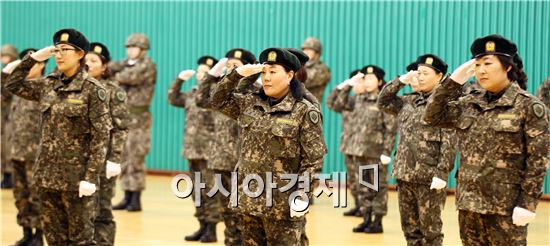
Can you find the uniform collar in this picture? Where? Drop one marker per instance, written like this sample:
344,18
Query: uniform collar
285,105
507,99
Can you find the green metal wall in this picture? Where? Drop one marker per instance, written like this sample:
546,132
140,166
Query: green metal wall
354,33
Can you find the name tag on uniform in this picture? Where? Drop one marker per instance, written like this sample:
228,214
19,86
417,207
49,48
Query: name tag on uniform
286,121
75,101
506,116
373,108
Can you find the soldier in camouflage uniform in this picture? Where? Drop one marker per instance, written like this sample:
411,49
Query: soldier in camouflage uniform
24,139
318,74
9,54
371,143
543,92
503,141
137,76
97,60
281,134
199,133
75,136
345,137
425,154
225,146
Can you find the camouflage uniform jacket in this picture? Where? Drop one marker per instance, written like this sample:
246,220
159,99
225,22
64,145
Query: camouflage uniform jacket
543,92
503,146
138,80
199,122
373,131
285,138
423,151
346,135
75,126
318,76
120,117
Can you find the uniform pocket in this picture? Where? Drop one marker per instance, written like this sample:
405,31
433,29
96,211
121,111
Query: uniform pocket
285,140
508,137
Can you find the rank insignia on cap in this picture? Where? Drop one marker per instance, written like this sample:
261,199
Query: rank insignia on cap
429,60
490,46
238,54
272,56
64,37
370,70
209,62
98,49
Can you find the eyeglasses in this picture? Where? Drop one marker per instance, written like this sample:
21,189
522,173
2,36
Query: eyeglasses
61,51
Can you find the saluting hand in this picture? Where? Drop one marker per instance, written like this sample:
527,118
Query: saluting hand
186,74
217,69
43,54
408,77
464,72
10,67
250,69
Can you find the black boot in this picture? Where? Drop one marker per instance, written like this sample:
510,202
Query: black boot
209,235
196,236
37,238
366,222
376,226
124,203
7,182
135,202
27,237
354,211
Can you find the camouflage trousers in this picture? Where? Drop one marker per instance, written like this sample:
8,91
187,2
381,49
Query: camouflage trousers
26,199
352,172
257,231
231,218
490,229
5,163
369,198
105,226
132,176
420,209
66,218
209,210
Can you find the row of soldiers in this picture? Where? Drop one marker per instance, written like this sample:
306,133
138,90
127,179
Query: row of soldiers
71,132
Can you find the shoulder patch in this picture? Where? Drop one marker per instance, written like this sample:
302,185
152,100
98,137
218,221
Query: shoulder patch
314,116
121,95
538,109
101,94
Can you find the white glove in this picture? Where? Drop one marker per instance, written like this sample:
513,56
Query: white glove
10,67
112,169
43,54
385,160
408,77
343,84
298,205
86,189
464,72
217,69
355,79
250,69
522,216
437,183
186,74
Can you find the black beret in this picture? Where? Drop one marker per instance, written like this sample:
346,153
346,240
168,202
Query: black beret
493,44
245,56
432,61
372,69
207,60
26,51
412,66
101,50
354,72
72,37
302,57
280,56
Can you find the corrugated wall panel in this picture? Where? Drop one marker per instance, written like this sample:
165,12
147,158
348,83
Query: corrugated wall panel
354,34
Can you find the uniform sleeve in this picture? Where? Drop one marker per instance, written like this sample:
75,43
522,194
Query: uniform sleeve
120,120
320,78
537,141
140,74
20,86
331,98
447,153
202,97
224,99
312,142
116,66
343,101
246,85
543,93
388,101
100,119
390,131
175,96
443,109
